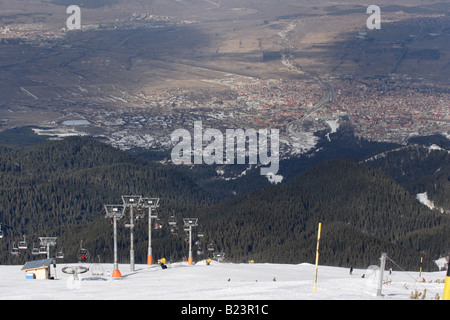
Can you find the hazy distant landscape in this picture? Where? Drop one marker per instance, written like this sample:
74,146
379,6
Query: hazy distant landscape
145,68
138,70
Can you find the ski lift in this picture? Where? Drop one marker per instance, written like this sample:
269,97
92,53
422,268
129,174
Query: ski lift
200,234
172,221
210,246
97,268
35,251
42,250
23,244
140,213
83,254
158,224
14,250
131,201
60,255
219,256
174,231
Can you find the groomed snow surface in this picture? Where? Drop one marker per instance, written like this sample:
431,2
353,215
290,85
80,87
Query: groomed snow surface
220,281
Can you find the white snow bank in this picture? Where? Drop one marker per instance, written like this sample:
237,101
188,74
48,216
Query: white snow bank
218,281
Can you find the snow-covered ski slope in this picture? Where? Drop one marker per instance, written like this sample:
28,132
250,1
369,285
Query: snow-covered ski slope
221,281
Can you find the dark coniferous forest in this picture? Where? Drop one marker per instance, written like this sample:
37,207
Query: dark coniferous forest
58,188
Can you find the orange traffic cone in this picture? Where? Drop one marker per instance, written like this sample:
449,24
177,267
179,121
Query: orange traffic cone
116,274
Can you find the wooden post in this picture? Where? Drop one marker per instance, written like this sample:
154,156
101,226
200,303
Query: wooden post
446,295
317,256
420,269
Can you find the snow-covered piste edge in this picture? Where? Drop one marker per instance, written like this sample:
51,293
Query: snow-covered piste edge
221,281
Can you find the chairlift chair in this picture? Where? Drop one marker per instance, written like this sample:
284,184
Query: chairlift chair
97,268
23,244
14,250
172,221
140,214
42,250
35,251
211,247
158,224
83,254
219,256
60,255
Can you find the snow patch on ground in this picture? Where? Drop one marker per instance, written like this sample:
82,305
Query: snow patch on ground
274,178
423,198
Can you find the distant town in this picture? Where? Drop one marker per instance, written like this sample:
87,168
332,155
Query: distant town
381,108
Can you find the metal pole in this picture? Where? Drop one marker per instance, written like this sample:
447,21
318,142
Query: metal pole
131,239
190,222
116,272
115,212
380,280
149,251
190,246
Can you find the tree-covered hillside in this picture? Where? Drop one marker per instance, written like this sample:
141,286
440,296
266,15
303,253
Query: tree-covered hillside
58,188
363,212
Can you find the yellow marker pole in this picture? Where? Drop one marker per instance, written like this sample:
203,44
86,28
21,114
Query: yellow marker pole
446,295
317,257
420,270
